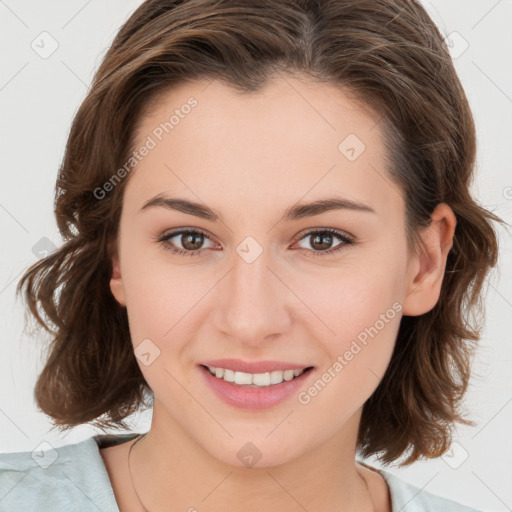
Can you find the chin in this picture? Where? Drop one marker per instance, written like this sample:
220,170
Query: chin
253,453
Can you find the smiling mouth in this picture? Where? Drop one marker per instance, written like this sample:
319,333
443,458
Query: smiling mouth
255,380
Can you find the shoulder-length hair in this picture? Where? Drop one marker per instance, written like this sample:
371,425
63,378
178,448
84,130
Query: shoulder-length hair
386,53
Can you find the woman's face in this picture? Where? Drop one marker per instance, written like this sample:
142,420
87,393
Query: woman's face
262,285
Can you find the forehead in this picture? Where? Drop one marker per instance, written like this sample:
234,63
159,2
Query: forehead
293,139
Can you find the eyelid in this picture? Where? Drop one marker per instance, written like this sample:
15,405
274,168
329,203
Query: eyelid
299,236
346,240
335,231
166,235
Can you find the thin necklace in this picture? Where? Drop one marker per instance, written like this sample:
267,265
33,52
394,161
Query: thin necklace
130,471
147,510
367,490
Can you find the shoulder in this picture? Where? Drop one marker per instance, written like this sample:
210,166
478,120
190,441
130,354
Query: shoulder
407,497
71,477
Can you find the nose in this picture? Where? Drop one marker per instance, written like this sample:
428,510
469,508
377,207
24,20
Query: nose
252,303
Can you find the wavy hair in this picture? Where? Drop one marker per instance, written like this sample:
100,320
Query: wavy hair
391,57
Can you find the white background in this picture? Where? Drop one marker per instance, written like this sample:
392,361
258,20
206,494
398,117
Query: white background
39,97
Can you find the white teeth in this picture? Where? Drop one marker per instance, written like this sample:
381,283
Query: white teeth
229,375
276,377
243,378
254,379
261,379
288,375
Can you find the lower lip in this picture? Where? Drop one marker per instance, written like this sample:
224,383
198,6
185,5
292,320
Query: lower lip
254,398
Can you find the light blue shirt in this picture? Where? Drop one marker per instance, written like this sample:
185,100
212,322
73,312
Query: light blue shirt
73,478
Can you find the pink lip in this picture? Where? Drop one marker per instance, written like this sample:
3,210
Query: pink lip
246,397
237,365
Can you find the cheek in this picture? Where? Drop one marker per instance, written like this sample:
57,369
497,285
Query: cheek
153,298
164,298
353,297
365,322
347,300
360,307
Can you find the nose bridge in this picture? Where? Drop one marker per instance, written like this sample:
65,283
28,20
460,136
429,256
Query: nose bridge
254,304
250,278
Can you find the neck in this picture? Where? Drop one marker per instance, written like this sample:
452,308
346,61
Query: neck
170,467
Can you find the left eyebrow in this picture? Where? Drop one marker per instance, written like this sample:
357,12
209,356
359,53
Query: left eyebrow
296,212
299,211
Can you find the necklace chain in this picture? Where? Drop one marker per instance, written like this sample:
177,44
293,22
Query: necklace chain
367,490
130,471
146,510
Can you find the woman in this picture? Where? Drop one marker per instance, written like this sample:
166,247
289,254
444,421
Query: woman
269,238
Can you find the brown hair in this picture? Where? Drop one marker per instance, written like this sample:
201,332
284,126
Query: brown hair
387,53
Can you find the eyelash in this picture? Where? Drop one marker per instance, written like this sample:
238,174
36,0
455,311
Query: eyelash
347,241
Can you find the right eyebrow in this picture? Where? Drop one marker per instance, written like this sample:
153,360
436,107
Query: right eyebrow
182,205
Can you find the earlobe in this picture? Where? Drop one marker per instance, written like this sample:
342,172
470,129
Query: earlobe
116,282
426,270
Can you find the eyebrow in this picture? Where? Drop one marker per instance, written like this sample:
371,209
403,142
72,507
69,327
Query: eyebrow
296,212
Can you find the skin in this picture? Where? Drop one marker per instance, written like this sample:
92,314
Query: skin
249,157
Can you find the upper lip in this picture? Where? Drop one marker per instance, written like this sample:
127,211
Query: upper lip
237,365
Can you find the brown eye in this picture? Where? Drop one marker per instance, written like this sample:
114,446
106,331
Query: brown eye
185,242
321,241
192,241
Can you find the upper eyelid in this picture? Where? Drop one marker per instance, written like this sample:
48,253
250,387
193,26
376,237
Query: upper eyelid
179,231
308,232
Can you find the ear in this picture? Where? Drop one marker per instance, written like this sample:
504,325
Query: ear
426,269
116,281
